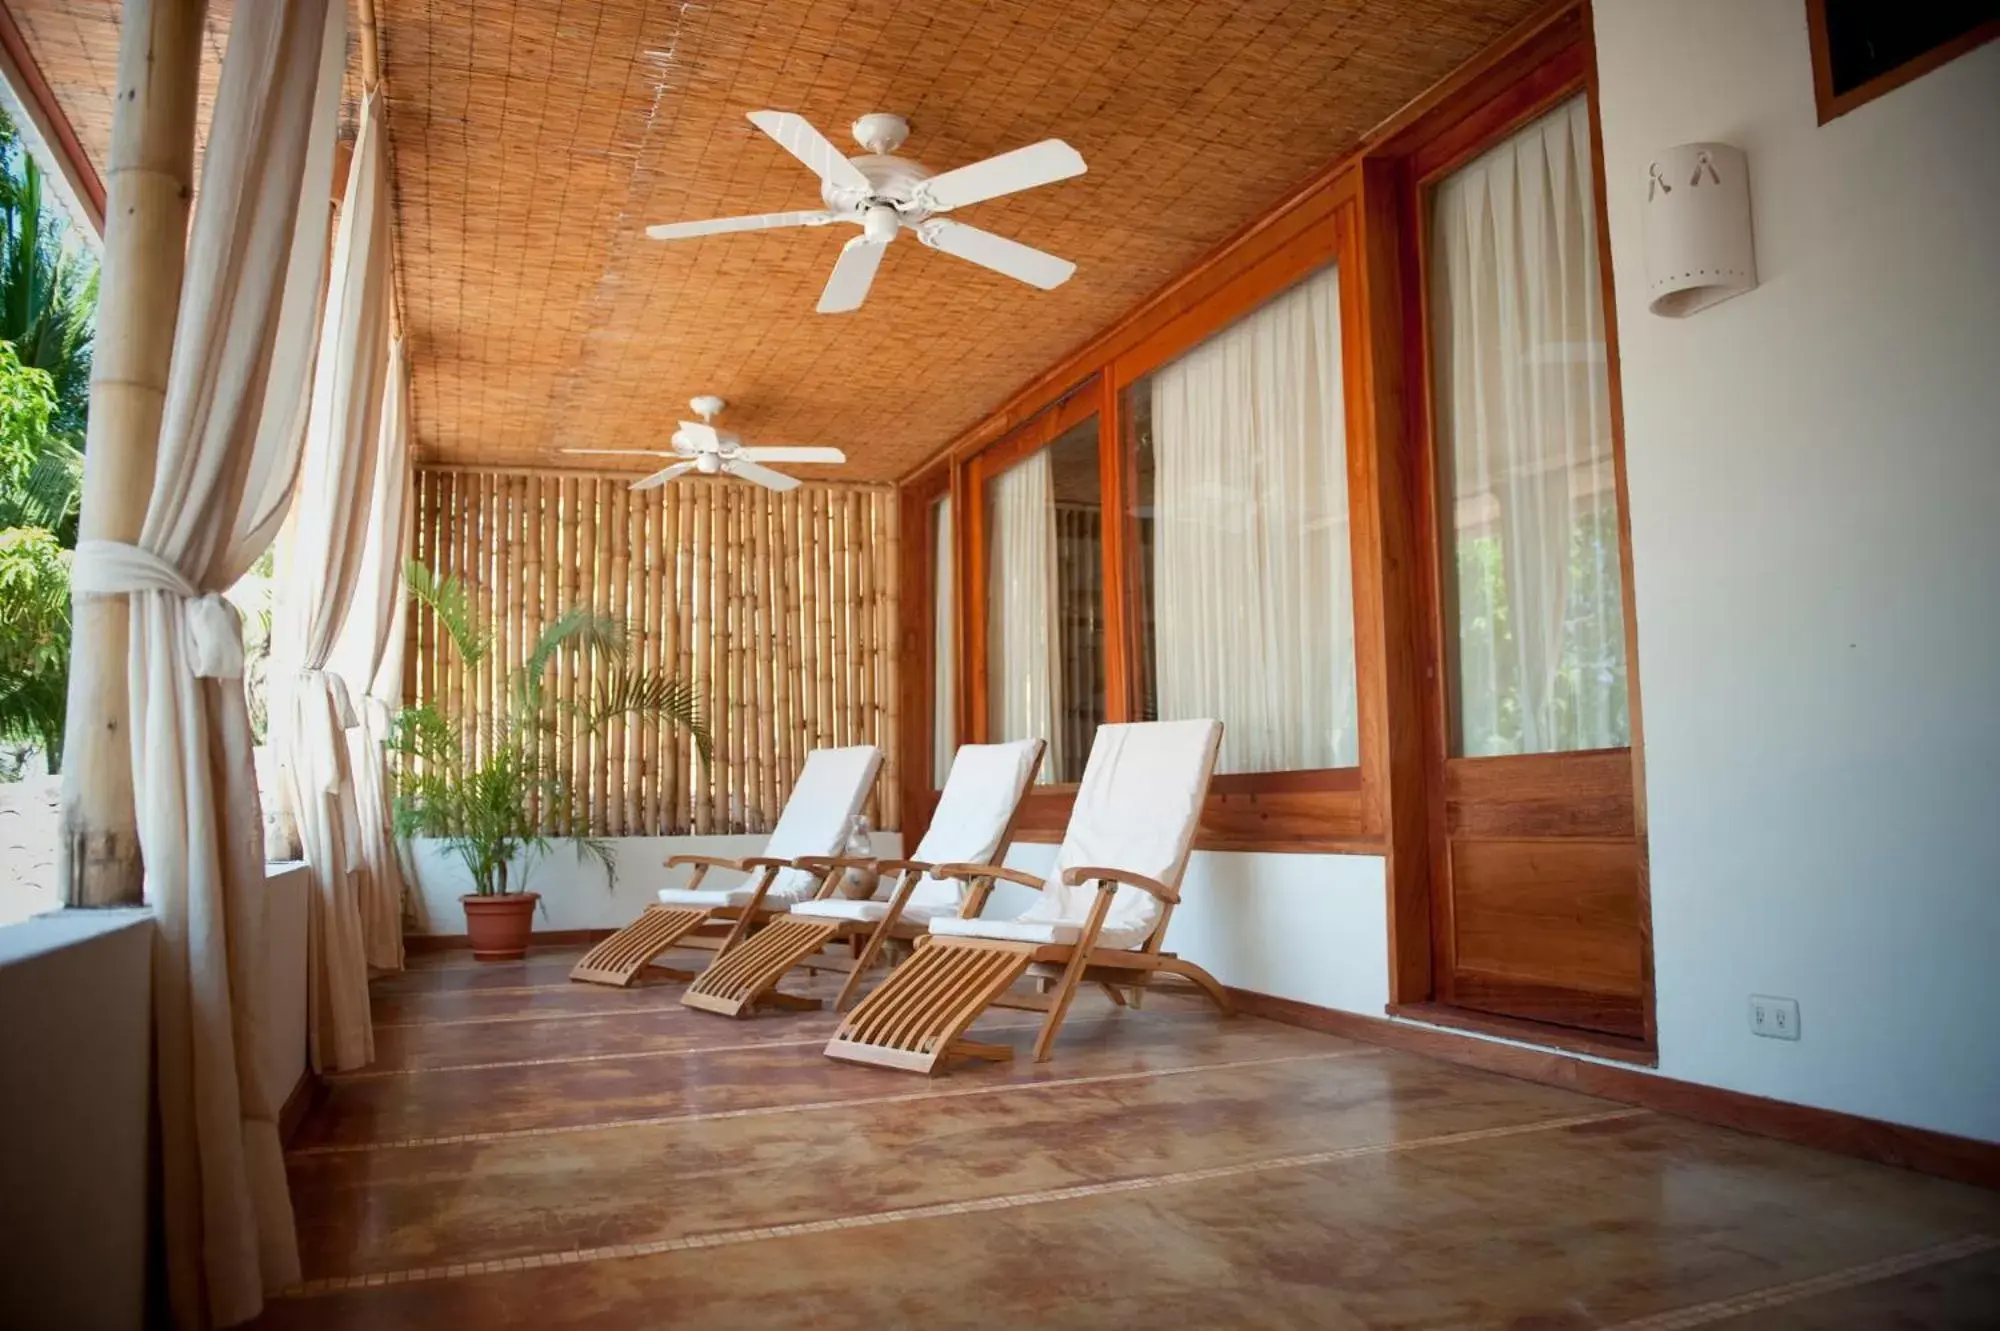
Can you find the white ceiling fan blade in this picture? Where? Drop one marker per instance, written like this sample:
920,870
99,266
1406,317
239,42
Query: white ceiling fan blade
792,453
662,476
700,436
716,226
1023,263
795,134
626,452
852,276
1024,168
764,476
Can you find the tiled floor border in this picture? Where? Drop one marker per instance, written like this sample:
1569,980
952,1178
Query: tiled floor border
1008,1202
1774,1296
514,1018
816,1106
624,1055
494,991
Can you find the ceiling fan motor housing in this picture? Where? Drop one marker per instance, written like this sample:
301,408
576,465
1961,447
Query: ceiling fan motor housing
892,182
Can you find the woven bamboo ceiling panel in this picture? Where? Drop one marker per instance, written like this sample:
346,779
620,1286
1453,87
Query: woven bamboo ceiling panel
535,139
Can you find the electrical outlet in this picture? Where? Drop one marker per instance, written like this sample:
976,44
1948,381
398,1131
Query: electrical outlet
1774,1018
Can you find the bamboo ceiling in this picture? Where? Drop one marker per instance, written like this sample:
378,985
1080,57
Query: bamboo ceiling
534,139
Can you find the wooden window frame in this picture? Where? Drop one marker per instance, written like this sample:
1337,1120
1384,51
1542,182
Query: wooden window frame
917,557
1831,104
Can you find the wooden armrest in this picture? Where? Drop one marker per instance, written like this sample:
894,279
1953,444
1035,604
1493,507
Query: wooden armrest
903,866
1092,873
986,871
762,862
705,862
821,863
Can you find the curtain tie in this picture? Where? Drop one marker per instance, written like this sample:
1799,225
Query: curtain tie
214,629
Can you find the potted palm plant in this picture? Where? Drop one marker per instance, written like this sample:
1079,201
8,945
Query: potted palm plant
487,786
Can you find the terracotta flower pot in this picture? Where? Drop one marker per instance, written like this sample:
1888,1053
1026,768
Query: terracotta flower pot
499,926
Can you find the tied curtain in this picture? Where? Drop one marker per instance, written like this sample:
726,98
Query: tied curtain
944,700
1524,422
221,482
1022,668
329,547
1253,589
369,655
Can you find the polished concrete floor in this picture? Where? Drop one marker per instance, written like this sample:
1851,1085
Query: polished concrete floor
531,1153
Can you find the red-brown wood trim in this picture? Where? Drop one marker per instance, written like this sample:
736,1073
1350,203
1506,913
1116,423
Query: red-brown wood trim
1549,84
35,90
1595,1044
1287,812
1939,1153
1116,477
1628,601
420,944
917,556
1831,104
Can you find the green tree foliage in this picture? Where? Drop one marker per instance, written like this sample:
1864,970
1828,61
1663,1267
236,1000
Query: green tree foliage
34,639
48,312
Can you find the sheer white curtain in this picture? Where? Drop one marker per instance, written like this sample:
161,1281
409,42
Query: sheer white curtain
1525,425
369,656
944,700
1023,638
220,485
1253,586
342,443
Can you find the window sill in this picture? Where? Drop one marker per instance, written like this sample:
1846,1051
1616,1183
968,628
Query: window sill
1566,1038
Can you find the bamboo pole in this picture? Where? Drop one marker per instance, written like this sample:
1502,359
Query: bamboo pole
647,654
797,609
675,648
583,523
892,626
148,184
701,634
760,661
600,603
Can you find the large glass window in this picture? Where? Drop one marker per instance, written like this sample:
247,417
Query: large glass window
1044,601
1246,585
1535,625
944,697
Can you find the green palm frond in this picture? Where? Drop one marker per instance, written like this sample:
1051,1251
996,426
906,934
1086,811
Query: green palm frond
448,598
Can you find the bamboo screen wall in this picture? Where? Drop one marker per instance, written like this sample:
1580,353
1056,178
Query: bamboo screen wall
778,609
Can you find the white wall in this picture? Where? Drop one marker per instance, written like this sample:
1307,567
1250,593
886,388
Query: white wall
1815,479
75,1042
282,1010
575,894
1313,928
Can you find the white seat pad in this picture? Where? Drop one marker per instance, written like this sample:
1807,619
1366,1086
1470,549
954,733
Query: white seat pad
867,912
723,896
1064,932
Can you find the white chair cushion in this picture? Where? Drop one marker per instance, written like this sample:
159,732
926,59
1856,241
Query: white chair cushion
1024,930
980,794
1137,809
832,787
711,898
868,912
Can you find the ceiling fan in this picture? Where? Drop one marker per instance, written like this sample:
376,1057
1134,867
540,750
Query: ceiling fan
885,195
707,451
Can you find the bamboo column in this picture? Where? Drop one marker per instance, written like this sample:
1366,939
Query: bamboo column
148,185
760,662
890,526
674,651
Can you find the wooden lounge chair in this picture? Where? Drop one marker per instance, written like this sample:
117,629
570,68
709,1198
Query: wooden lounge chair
973,822
818,817
1101,916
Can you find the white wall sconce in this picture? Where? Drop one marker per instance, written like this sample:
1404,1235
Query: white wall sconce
1698,249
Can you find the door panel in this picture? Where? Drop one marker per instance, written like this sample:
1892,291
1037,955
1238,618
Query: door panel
1544,909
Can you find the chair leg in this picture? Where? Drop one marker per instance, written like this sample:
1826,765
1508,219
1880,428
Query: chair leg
1112,992
862,963
1065,990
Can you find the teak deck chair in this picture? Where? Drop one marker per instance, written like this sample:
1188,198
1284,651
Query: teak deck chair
818,817
973,822
1101,916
